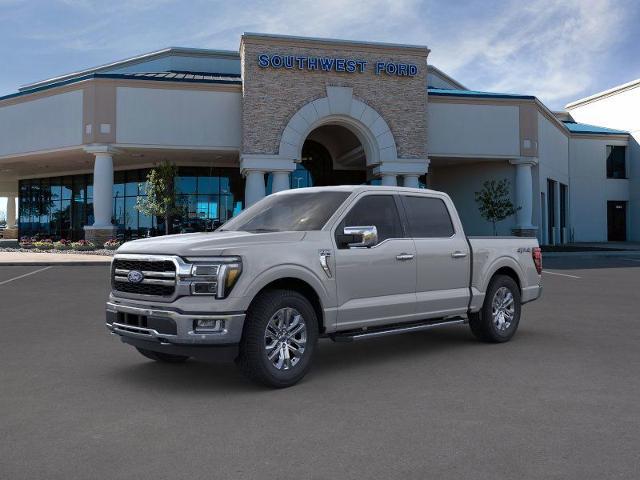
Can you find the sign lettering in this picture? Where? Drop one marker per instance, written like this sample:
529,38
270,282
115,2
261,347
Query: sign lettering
332,64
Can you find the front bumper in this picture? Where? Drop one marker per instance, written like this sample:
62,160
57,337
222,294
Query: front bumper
164,326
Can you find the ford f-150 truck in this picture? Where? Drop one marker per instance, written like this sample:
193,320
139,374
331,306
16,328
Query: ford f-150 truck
347,263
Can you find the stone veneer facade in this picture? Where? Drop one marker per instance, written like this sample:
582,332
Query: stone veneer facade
272,96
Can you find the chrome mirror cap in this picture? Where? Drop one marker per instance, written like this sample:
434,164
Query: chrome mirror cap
368,235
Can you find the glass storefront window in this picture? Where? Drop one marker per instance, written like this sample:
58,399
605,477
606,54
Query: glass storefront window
60,207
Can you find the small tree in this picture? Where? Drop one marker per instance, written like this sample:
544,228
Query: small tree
161,199
494,202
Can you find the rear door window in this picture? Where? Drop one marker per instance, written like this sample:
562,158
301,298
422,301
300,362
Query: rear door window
428,217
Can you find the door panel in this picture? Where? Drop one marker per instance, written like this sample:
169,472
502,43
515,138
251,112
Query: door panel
443,258
376,285
443,281
373,286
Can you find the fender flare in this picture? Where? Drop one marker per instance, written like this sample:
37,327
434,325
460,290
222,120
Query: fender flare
501,262
280,272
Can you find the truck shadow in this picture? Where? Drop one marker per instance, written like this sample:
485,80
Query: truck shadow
332,360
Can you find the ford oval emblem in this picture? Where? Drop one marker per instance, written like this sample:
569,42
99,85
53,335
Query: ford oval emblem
135,276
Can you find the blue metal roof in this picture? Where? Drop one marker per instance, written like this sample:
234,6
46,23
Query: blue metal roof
188,77
575,127
444,92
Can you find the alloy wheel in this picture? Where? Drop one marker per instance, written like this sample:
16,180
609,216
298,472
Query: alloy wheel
285,338
503,309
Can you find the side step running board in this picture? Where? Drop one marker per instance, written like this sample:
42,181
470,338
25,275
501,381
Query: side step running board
354,336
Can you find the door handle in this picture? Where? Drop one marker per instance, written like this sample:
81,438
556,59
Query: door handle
404,257
458,254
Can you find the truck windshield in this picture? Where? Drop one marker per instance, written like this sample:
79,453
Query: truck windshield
293,212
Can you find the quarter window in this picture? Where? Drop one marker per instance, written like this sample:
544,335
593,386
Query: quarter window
616,167
379,211
427,217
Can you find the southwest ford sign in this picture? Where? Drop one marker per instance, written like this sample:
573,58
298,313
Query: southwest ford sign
334,64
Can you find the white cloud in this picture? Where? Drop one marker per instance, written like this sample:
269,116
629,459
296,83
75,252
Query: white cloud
547,48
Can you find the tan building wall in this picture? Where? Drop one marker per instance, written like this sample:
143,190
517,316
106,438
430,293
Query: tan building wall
271,96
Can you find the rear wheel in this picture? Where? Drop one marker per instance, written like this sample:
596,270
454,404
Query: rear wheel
279,338
162,357
499,317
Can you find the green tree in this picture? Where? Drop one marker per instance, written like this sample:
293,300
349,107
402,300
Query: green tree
161,195
494,202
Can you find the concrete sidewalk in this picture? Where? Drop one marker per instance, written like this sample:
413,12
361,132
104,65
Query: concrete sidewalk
36,259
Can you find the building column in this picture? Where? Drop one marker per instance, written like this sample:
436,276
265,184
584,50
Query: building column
11,232
409,169
411,181
254,189
389,180
102,228
254,165
11,212
280,181
524,197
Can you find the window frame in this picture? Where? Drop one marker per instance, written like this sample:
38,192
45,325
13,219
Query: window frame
625,160
351,205
408,229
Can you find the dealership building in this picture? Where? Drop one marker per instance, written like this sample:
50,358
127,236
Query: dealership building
289,112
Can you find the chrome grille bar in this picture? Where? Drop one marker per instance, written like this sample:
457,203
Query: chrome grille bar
148,281
123,272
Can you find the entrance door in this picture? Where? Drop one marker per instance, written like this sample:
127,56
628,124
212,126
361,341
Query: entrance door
617,221
318,162
376,285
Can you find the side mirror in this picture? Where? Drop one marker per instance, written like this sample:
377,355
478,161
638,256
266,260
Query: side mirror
359,237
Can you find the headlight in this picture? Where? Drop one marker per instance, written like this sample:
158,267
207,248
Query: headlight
214,275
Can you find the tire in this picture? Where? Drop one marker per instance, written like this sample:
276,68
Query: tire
162,357
279,323
494,328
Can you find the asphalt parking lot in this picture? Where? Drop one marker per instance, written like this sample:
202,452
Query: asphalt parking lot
559,401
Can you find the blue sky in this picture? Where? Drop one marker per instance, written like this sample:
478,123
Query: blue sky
557,50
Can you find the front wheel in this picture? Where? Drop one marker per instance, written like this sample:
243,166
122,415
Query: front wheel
279,338
499,317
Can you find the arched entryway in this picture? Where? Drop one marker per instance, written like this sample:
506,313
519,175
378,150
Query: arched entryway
334,140
332,155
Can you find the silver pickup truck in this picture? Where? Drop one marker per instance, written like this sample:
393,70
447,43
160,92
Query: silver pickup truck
347,263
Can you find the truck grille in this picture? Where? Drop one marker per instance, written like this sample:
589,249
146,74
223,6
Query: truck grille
158,277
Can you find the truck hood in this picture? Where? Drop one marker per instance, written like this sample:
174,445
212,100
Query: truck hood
207,243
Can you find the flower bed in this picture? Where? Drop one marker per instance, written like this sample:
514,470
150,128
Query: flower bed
43,244
46,245
62,245
83,245
112,244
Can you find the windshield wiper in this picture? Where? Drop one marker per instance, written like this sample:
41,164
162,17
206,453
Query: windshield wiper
263,230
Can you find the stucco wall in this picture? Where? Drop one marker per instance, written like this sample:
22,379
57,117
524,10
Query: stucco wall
272,96
190,118
461,181
473,129
589,189
553,163
620,111
43,124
